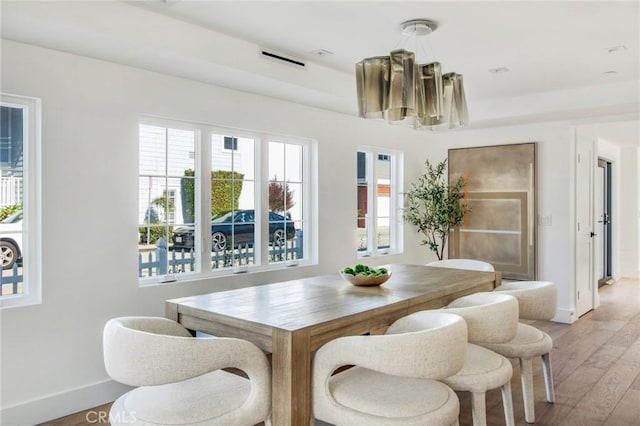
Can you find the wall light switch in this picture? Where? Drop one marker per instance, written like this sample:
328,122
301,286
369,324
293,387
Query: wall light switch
545,220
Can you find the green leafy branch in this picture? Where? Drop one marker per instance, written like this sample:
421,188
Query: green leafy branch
434,207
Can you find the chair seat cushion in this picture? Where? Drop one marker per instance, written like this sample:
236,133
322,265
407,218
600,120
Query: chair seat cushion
201,400
483,370
393,397
529,342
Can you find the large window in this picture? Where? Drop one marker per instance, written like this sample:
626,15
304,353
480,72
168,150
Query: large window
378,207
216,201
19,200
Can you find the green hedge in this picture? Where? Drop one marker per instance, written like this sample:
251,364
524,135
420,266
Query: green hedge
225,190
188,194
9,210
154,233
226,187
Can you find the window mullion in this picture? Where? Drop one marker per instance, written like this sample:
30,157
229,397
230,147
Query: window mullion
393,206
262,216
165,234
203,198
311,202
372,212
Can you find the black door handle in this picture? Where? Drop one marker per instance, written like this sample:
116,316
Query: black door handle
593,234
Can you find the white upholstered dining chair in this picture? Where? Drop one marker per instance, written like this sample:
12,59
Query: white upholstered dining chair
537,300
393,378
471,264
180,378
491,318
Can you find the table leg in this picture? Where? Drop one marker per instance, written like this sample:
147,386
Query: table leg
291,369
171,311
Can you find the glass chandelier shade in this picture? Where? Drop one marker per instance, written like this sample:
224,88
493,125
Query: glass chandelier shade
372,77
399,90
454,111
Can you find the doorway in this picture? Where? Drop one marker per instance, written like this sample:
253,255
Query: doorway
603,205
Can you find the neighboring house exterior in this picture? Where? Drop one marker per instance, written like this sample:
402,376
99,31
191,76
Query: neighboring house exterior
11,156
224,153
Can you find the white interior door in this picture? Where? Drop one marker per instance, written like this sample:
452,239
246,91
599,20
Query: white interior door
585,277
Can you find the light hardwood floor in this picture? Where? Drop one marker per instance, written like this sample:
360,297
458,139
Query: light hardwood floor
596,369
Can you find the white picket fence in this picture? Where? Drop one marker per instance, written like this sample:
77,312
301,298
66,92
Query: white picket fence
10,190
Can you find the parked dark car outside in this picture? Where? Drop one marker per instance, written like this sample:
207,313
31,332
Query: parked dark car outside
240,225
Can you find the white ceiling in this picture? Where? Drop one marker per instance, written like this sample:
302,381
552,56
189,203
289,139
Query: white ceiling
556,51
547,45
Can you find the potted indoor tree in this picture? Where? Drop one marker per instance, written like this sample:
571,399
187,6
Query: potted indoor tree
435,207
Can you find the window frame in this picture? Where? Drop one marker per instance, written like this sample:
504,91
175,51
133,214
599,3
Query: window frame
396,223
202,217
32,212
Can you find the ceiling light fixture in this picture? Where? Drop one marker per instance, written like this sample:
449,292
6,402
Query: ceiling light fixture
397,89
499,70
616,49
321,52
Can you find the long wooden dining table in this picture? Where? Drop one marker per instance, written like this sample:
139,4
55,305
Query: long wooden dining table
292,319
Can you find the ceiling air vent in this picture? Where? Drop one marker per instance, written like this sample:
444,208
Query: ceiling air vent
282,59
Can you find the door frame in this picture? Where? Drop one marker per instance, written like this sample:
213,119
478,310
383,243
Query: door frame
607,238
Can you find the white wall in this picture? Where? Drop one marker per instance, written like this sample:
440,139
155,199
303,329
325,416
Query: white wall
52,353
629,208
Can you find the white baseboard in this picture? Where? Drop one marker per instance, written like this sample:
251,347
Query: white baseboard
62,404
566,316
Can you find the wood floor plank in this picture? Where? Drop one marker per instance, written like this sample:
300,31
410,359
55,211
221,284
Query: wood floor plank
566,359
599,402
605,356
632,354
636,383
628,334
627,412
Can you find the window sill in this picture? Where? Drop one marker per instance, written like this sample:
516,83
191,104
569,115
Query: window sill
367,255
226,273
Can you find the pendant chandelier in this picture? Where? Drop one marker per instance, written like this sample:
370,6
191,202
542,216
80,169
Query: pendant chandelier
397,89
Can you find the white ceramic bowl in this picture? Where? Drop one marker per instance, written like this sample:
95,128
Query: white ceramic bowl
366,280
